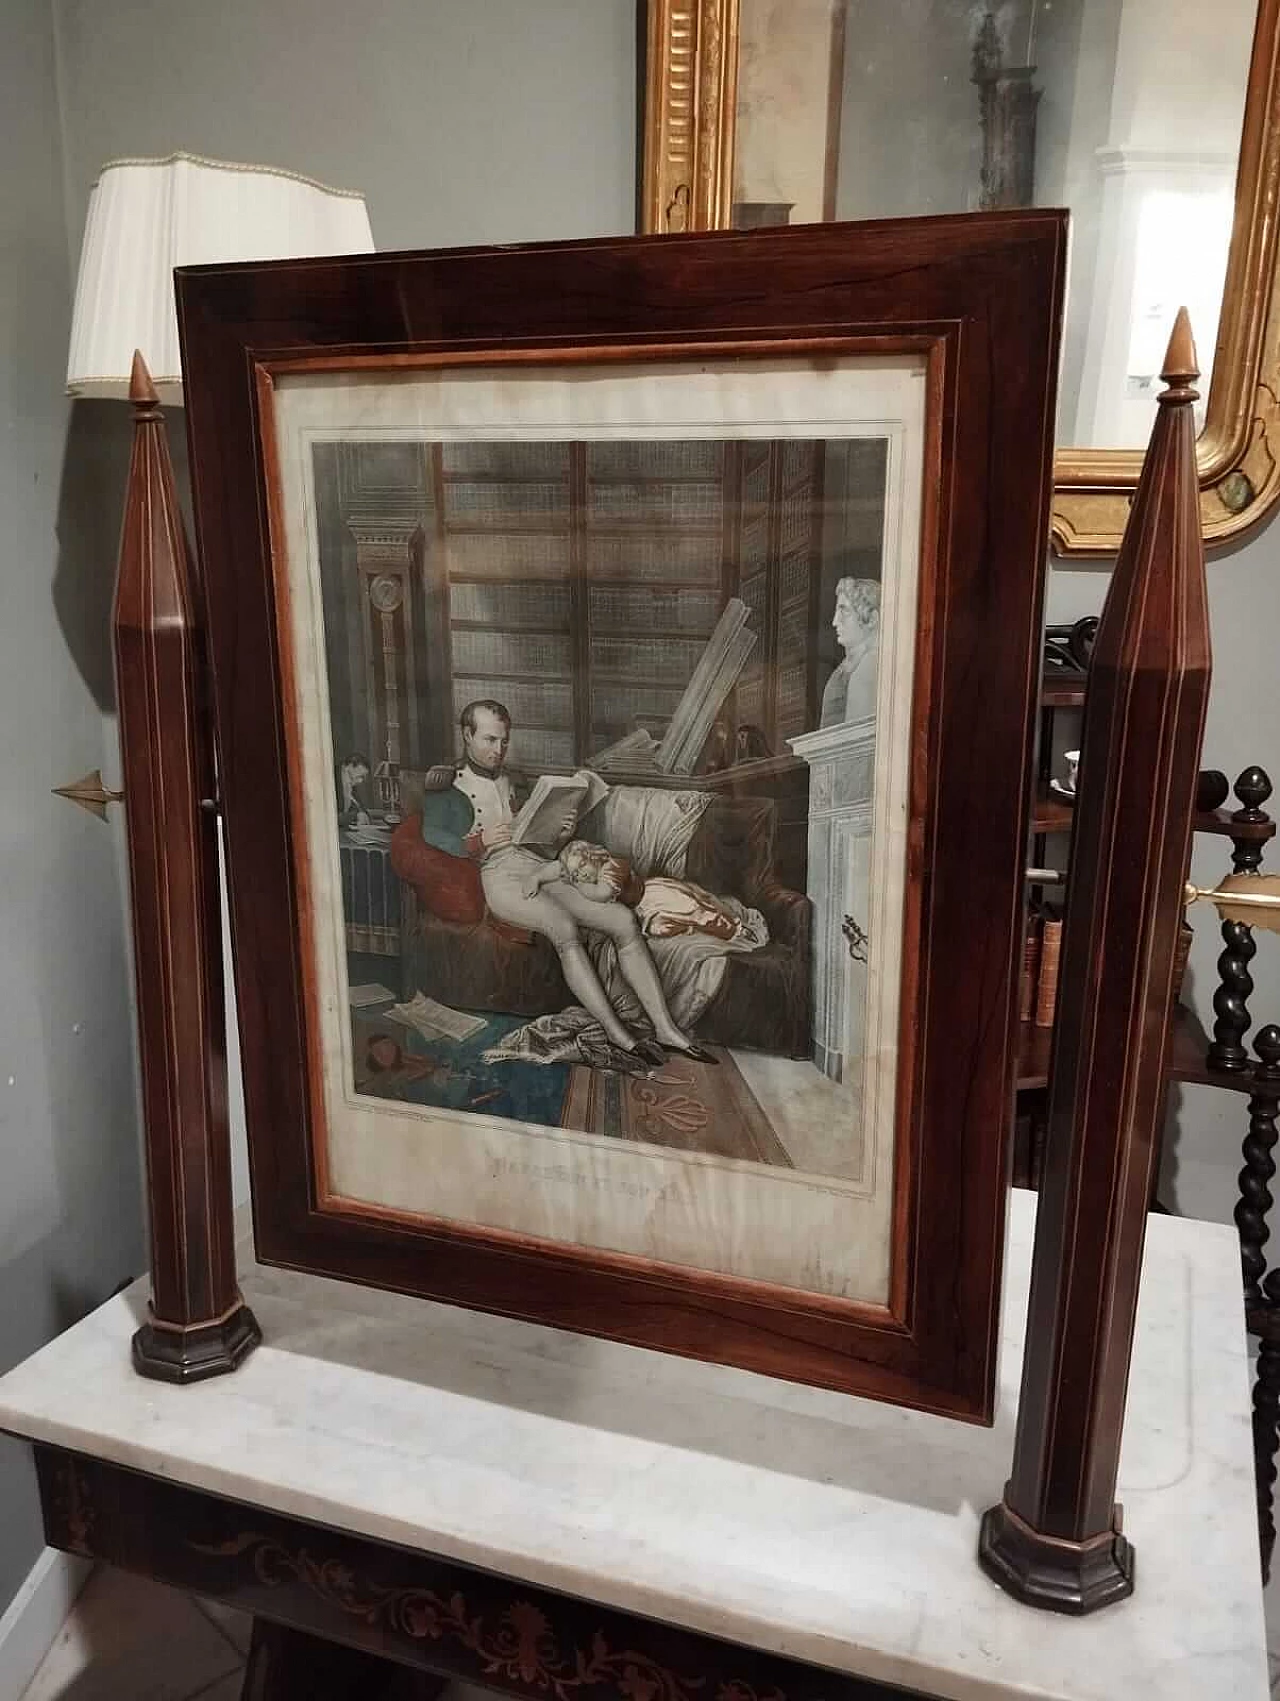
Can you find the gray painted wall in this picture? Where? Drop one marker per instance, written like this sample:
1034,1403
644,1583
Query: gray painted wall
70,1214
462,120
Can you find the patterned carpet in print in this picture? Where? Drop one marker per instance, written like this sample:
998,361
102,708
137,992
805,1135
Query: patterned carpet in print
686,1106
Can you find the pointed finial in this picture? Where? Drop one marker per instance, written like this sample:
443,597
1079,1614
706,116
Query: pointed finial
1181,366
142,391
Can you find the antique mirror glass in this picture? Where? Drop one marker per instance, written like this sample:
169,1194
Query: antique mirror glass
1149,119
1127,111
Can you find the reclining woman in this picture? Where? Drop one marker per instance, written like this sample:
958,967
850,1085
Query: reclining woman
468,811
663,907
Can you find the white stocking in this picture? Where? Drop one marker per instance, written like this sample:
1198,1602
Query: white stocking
641,976
585,985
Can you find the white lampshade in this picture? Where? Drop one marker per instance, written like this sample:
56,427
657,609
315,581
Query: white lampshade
147,216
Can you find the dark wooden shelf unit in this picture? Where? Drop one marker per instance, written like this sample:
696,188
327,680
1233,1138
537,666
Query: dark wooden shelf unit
1050,814
1053,814
1061,690
1189,1051
1224,824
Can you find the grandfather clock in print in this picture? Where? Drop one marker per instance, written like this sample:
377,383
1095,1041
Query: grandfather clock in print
388,554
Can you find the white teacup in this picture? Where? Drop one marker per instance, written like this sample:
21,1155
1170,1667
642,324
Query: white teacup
1072,760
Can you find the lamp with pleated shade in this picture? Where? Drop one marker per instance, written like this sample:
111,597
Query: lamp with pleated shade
147,216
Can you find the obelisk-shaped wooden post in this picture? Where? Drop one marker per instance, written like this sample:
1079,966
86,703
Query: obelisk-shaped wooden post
1055,1539
199,1325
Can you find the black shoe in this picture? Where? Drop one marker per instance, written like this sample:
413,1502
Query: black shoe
694,1053
651,1051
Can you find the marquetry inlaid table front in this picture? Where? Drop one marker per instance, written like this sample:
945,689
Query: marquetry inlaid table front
561,1517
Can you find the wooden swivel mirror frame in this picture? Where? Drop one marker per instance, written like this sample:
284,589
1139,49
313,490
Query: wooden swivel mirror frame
1155,121
1054,1540
293,370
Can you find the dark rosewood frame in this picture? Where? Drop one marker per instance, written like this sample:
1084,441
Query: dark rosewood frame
981,297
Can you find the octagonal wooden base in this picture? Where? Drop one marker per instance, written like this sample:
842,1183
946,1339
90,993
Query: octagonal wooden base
168,1354
1045,1571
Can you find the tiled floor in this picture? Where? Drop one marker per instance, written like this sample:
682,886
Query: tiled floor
130,1640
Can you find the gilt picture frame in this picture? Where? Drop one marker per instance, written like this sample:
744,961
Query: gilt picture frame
624,657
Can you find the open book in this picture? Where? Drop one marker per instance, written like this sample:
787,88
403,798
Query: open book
541,820
436,1021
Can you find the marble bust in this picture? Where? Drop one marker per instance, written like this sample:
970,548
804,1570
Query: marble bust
850,693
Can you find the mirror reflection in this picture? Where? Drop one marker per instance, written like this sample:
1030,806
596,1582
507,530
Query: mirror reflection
1128,112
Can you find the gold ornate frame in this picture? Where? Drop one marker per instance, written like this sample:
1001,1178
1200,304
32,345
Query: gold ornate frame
690,102
691,77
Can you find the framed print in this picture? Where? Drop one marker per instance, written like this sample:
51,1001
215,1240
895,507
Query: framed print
624,656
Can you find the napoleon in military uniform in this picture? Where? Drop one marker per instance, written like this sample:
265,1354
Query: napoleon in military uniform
467,810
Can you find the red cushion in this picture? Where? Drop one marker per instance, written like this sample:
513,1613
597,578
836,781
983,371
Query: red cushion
448,886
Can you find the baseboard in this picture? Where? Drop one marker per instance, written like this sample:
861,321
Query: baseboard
34,1617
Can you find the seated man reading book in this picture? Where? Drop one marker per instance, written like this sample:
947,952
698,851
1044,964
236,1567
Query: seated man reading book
480,810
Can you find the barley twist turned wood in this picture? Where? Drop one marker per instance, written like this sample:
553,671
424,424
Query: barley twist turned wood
1266,1414
1259,1168
1227,1050
1231,999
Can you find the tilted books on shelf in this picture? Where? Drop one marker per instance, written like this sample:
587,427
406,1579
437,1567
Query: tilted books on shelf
714,677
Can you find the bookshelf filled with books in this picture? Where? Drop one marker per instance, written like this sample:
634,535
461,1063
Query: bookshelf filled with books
502,577
634,590
654,556
587,585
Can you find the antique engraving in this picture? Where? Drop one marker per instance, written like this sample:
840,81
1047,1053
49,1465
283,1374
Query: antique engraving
610,717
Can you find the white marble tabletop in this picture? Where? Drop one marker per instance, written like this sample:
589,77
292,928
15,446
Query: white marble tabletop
790,1519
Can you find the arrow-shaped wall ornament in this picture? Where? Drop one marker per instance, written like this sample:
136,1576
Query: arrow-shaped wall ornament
90,794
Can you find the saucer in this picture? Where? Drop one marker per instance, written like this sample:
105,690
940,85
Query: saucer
1064,792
